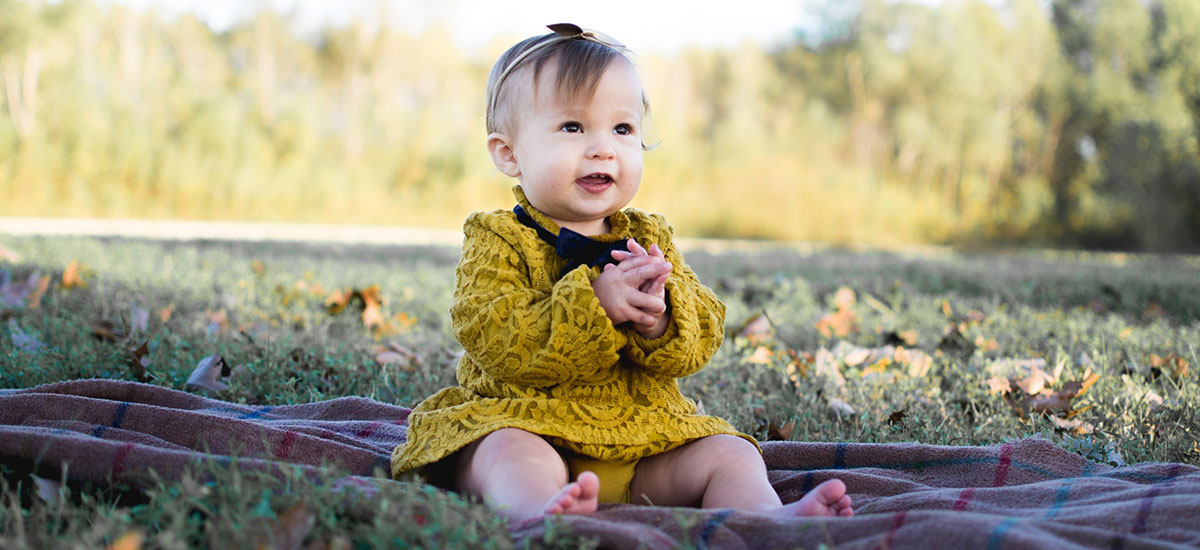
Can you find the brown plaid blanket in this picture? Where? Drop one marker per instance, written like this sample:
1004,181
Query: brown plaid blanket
1020,494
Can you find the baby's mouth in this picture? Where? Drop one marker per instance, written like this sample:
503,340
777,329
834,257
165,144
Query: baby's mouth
595,183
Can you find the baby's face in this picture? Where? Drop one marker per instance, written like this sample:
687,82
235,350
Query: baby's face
580,161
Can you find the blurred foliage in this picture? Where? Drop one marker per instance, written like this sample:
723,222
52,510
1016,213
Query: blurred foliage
1062,123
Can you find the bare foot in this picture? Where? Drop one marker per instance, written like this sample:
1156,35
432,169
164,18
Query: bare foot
579,497
826,499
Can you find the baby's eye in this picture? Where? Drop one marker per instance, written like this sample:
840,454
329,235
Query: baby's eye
572,127
623,130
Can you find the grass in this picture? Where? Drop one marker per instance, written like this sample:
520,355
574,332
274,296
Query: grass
822,365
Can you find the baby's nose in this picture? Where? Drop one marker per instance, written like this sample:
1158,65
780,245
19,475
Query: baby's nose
601,148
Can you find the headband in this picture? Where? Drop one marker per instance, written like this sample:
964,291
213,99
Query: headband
563,32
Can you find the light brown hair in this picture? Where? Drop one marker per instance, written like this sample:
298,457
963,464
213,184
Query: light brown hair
581,63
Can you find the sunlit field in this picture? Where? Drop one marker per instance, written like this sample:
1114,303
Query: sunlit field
1096,353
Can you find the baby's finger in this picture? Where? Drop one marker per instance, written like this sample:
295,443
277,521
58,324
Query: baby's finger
637,261
636,248
647,272
648,303
655,251
621,255
656,286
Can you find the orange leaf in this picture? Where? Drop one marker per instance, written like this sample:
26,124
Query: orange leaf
338,300
839,324
999,385
1089,378
164,314
39,290
781,433
129,541
398,324
761,356
757,329
372,316
71,278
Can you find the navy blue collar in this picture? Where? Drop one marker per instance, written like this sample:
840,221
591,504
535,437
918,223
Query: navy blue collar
579,249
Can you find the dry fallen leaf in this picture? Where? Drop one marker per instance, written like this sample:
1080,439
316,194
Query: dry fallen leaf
1174,365
897,417
24,294
838,324
761,356
757,329
211,374
398,324
395,354
998,385
338,300
1075,426
129,541
840,407
108,331
39,290
47,489
372,315
801,362
71,277
856,357
781,433
291,527
1035,382
139,360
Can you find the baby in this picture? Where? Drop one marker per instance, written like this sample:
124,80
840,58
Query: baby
578,316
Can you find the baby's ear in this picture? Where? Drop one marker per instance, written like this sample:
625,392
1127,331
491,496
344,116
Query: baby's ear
503,156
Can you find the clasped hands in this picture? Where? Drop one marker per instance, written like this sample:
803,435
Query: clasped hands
633,290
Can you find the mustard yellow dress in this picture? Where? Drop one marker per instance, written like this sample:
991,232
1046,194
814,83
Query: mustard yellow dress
541,354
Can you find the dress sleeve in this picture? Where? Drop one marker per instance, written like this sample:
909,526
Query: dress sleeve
519,334
697,325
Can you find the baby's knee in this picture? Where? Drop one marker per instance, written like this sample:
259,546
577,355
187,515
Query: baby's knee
726,447
513,444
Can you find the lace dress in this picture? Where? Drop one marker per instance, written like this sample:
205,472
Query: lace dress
542,356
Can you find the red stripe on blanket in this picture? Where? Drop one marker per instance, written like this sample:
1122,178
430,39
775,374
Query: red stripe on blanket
897,523
964,498
285,446
368,430
119,460
1005,461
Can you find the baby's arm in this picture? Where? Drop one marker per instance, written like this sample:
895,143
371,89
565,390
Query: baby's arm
522,335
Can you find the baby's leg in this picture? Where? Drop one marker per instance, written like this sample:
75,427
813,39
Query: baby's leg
724,471
523,477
